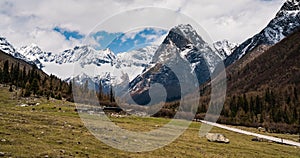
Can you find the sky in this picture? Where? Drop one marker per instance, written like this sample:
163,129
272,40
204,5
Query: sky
58,25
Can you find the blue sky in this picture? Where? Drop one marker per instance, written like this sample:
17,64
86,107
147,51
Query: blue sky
118,41
68,34
123,42
33,21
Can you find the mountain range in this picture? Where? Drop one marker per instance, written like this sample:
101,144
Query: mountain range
104,62
182,45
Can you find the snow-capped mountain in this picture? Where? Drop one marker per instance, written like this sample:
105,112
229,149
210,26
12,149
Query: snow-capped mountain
84,61
6,47
87,56
36,55
224,48
286,21
140,57
182,55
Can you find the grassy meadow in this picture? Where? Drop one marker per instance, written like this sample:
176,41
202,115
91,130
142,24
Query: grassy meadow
54,129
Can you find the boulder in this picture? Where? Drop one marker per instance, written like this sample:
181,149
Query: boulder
217,137
2,154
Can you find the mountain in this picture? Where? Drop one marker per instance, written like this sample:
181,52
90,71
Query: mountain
224,48
286,21
36,55
27,78
276,68
182,56
263,90
73,62
6,47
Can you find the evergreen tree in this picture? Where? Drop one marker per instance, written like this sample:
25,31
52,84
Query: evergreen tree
245,103
34,86
6,76
258,105
27,92
240,101
295,115
70,88
251,108
233,106
1,75
10,88
111,95
295,93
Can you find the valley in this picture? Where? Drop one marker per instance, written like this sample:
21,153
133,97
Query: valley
153,82
54,129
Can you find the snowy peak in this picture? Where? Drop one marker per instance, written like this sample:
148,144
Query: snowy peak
286,21
182,49
86,55
183,35
290,5
224,48
32,49
139,57
36,55
6,47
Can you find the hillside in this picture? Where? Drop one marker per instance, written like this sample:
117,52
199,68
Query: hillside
263,90
282,25
19,74
276,68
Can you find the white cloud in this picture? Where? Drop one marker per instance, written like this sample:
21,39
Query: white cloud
23,22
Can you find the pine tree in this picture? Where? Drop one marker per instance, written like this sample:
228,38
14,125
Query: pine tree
34,86
24,77
233,106
111,95
245,104
6,76
251,105
1,75
240,101
258,105
70,88
10,88
295,93
27,92
295,115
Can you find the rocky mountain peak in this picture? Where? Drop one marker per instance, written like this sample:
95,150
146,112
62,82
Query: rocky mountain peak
182,35
290,7
32,49
286,21
6,46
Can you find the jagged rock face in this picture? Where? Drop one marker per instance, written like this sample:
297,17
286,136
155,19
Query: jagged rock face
182,54
224,48
6,47
286,21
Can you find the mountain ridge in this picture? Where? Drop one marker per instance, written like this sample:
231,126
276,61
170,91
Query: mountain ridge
286,21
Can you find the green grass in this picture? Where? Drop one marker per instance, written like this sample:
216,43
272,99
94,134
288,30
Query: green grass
53,128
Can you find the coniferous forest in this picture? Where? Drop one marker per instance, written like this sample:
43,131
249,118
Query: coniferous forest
28,80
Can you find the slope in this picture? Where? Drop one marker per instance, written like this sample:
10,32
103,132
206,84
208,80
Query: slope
286,21
30,79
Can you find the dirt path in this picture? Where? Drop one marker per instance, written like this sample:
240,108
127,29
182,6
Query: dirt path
274,139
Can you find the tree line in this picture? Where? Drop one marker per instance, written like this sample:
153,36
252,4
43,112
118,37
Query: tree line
276,110
30,82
